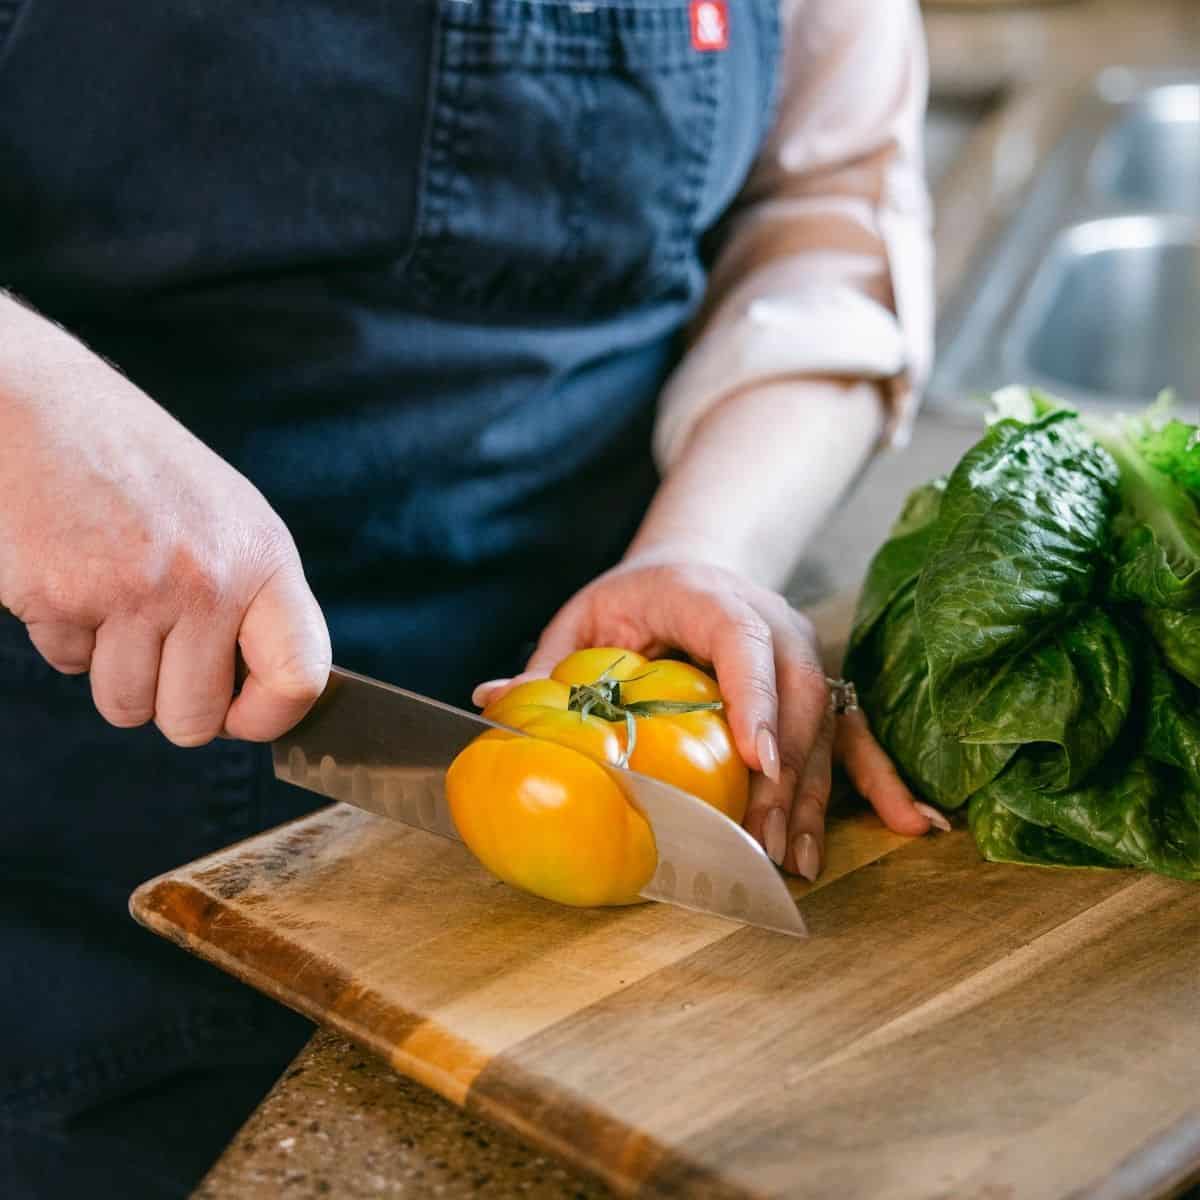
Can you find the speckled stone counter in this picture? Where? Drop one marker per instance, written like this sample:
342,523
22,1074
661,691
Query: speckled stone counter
341,1123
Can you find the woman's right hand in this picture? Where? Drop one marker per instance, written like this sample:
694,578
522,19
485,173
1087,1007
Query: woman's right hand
133,552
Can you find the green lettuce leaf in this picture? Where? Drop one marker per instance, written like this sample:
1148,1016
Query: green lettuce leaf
1072,691
900,559
1016,651
1173,720
893,676
1154,563
1177,634
1133,809
1158,532
1002,836
1024,404
1171,446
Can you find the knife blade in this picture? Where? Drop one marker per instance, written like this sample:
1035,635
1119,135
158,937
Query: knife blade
386,750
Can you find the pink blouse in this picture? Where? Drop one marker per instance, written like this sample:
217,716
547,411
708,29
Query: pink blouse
827,263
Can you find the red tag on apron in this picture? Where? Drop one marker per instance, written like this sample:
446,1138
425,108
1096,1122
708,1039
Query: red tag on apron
710,24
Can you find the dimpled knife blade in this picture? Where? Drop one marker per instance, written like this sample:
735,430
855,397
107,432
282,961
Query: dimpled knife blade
386,751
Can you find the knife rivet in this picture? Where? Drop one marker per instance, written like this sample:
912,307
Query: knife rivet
329,774
297,765
666,878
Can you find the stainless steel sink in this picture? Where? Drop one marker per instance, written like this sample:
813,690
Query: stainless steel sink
1114,309
1151,157
1093,290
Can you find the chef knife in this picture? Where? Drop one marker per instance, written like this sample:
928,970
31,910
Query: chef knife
386,750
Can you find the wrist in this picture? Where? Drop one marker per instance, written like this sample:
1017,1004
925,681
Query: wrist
760,475
657,544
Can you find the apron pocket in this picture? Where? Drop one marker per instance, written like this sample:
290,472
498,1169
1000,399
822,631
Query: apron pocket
567,151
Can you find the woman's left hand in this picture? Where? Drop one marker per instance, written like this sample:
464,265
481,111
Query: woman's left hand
777,699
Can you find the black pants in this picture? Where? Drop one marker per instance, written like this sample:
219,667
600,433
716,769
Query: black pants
125,1064
157,1142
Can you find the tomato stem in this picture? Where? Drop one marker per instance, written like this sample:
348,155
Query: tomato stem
671,708
600,699
603,699
630,739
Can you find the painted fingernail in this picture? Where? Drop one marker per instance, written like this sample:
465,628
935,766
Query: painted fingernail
935,818
775,836
768,754
479,697
808,857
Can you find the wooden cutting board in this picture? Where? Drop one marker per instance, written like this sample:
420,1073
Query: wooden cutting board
951,1028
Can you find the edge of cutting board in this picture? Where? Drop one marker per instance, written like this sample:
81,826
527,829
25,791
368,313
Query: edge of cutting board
186,906
979,950
532,1106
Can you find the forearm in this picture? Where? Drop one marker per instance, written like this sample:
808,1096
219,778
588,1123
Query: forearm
37,357
760,474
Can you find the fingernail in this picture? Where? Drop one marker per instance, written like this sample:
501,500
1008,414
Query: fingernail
935,818
775,836
768,754
808,857
479,697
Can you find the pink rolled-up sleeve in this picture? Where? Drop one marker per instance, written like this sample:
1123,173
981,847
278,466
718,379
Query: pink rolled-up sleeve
826,262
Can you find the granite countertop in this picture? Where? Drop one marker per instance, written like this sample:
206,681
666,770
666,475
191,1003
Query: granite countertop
342,1123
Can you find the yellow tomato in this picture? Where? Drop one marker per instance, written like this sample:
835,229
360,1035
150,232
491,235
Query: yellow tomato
590,735
669,680
695,752
550,821
587,666
539,707
517,800
548,692
692,750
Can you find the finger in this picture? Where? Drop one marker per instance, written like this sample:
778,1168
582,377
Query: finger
67,648
124,671
741,647
804,702
803,691
876,779
806,826
285,644
766,816
195,681
484,693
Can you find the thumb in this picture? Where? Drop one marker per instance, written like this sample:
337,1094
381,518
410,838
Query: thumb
285,644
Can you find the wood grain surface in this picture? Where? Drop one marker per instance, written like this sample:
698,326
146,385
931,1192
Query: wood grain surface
951,1028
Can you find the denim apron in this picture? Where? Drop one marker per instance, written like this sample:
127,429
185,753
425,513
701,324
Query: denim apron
418,268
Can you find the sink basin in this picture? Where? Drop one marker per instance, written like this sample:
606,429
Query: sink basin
1093,290
1114,310
1151,157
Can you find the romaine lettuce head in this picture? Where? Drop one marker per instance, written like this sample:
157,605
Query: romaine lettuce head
1028,639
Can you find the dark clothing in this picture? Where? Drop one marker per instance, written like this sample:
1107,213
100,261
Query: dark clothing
418,268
